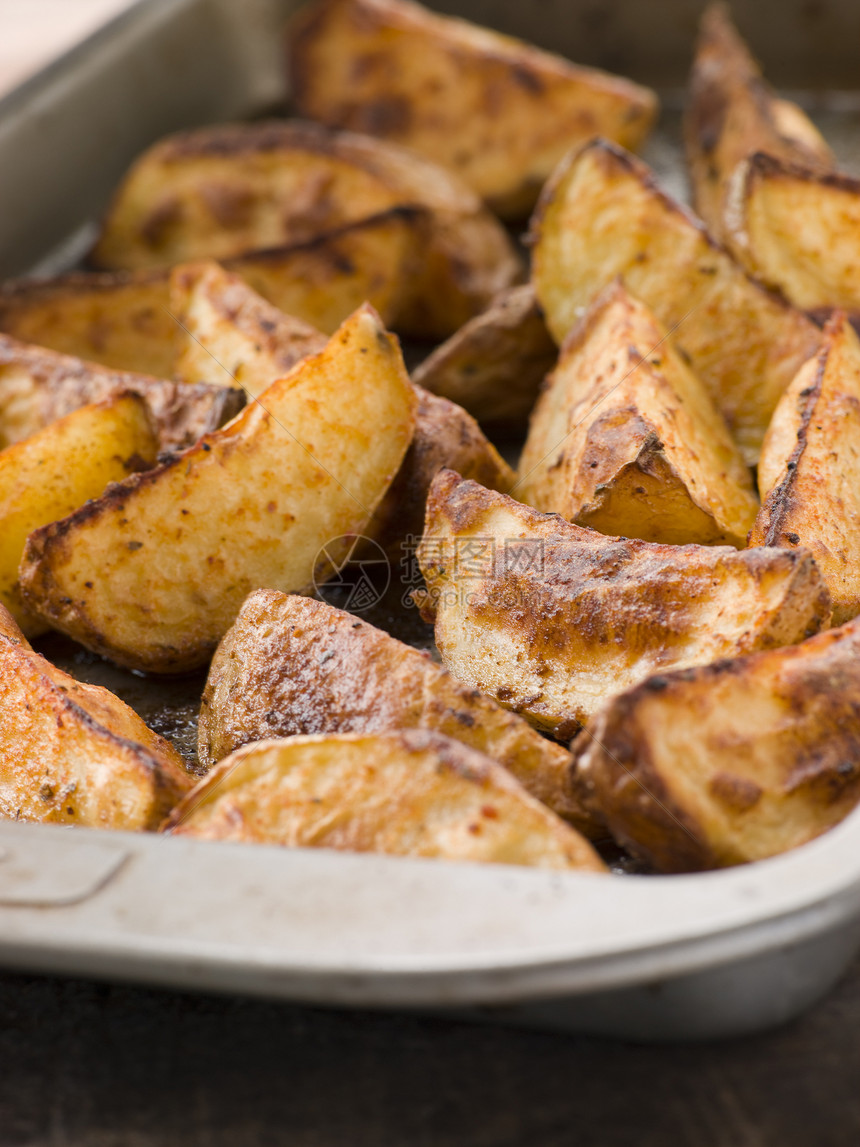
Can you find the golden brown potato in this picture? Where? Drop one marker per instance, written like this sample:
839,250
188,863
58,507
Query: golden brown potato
551,619
75,754
626,440
123,319
809,471
797,230
230,335
494,365
290,665
408,793
38,386
153,573
446,437
730,762
601,216
224,191
55,471
731,112
495,110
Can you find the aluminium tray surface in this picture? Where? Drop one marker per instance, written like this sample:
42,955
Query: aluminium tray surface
729,951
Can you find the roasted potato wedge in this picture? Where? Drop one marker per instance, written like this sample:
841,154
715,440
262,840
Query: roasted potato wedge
38,386
551,619
230,335
809,470
730,762
55,471
123,319
798,230
153,573
290,665
76,754
495,110
408,793
601,216
494,365
225,191
731,113
626,440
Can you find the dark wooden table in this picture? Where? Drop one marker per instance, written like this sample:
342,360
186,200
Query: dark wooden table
94,1064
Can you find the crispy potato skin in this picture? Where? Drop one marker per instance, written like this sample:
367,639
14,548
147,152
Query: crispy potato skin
231,336
58,469
290,666
730,762
75,754
550,619
600,216
153,573
407,793
38,386
797,229
231,190
495,110
810,467
731,113
494,365
626,440
446,437
123,319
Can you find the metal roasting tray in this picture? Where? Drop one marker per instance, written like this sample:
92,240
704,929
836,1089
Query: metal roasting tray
651,957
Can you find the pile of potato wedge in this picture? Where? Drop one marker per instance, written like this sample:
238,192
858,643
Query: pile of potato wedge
647,629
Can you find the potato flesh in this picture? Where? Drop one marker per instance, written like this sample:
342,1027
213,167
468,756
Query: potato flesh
600,217
626,440
551,619
732,762
497,111
153,574
403,794
55,471
290,665
810,467
75,754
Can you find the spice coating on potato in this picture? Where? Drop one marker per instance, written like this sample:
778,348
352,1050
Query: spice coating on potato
602,216
76,754
730,762
551,619
411,793
810,467
495,110
153,573
626,440
290,665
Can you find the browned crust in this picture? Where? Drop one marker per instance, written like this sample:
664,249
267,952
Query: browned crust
760,164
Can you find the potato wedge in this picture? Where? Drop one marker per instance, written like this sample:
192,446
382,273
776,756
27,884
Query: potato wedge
626,440
498,112
810,468
76,754
494,365
551,619
408,793
38,386
153,573
731,762
290,665
798,230
601,216
55,471
731,113
230,335
230,190
123,319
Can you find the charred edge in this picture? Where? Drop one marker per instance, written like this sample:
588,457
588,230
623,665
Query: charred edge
760,164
